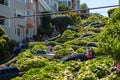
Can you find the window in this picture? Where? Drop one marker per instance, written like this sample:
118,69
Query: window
41,52
63,2
4,2
47,1
28,12
27,31
18,32
15,31
29,1
21,1
55,5
4,22
7,22
69,3
20,12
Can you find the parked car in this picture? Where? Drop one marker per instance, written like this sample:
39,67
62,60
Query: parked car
9,72
44,53
96,25
71,27
92,44
86,35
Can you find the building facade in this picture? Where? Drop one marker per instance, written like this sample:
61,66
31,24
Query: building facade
14,27
17,28
20,27
40,6
30,22
73,4
53,4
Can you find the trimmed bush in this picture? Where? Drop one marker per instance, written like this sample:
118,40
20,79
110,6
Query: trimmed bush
26,60
52,43
61,22
81,50
38,47
31,44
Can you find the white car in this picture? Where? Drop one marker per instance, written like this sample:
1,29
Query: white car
45,53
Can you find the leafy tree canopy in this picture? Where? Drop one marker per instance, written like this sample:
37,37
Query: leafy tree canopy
110,39
75,17
116,15
84,6
61,22
3,43
110,11
62,7
2,31
3,38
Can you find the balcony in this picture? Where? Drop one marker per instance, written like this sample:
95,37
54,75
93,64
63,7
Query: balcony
4,10
44,5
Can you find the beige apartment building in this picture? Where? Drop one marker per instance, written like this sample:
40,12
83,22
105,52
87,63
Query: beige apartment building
17,28
30,21
14,27
20,27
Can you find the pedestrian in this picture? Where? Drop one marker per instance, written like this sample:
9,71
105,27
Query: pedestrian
88,53
16,50
50,48
46,40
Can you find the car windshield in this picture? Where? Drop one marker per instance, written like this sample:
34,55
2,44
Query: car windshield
48,52
41,52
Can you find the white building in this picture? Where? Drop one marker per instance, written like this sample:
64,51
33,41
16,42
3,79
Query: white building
53,4
73,4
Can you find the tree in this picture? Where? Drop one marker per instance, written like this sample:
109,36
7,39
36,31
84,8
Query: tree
3,38
3,43
75,17
115,16
61,22
84,6
62,7
110,11
109,38
46,27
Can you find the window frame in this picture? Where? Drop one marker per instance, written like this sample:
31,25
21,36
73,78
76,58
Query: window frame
18,14
22,1
18,32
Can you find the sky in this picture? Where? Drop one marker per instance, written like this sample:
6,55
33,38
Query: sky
99,3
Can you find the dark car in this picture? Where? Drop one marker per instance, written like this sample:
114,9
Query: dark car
86,35
92,44
96,25
8,72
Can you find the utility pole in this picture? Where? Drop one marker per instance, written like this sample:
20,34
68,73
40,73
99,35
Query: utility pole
119,3
36,3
